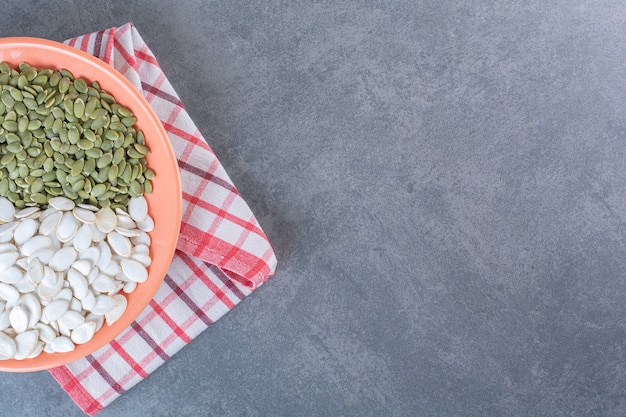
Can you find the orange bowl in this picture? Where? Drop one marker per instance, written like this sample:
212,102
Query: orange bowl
165,204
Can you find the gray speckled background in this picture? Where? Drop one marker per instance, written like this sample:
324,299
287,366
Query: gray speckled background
445,188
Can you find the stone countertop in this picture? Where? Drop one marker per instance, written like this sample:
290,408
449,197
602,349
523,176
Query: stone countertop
444,187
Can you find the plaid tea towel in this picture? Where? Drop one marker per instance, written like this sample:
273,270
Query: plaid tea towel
222,254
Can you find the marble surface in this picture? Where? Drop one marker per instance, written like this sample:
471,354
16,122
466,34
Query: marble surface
444,184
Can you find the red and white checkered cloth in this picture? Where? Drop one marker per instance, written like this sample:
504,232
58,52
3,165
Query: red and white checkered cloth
222,254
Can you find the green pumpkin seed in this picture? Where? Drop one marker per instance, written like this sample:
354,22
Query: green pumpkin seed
7,99
73,135
6,158
142,149
129,121
79,108
93,153
12,137
34,124
136,188
34,152
134,153
98,122
22,124
57,126
14,147
104,160
37,185
98,190
9,125
20,108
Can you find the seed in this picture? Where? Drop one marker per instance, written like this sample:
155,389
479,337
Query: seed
7,99
77,167
22,125
94,153
98,190
142,149
104,160
10,126
14,147
79,108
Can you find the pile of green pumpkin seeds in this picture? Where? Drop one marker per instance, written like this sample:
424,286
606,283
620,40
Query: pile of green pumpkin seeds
60,136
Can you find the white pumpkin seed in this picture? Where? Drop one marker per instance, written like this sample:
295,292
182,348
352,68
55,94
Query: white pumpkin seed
24,285
64,294
88,207
115,313
7,259
76,305
88,301
82,239
127,232
62,203
7,247
71,320
105,255
62,344
35,271
55,309
90,255
25,230
84,215
104,304
146,225
63,259
25,343
33,307
142,258
134,270
83,265
138,208
43,255
103,284
50,223
142,239
96,234
106,220
5,320
36,351
19,319
35,244
9,292
67,227
78,283
7,210
129,287
8,228
27,212
11,275
7,346
124,221
120,244
83,333
95,318
46,334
